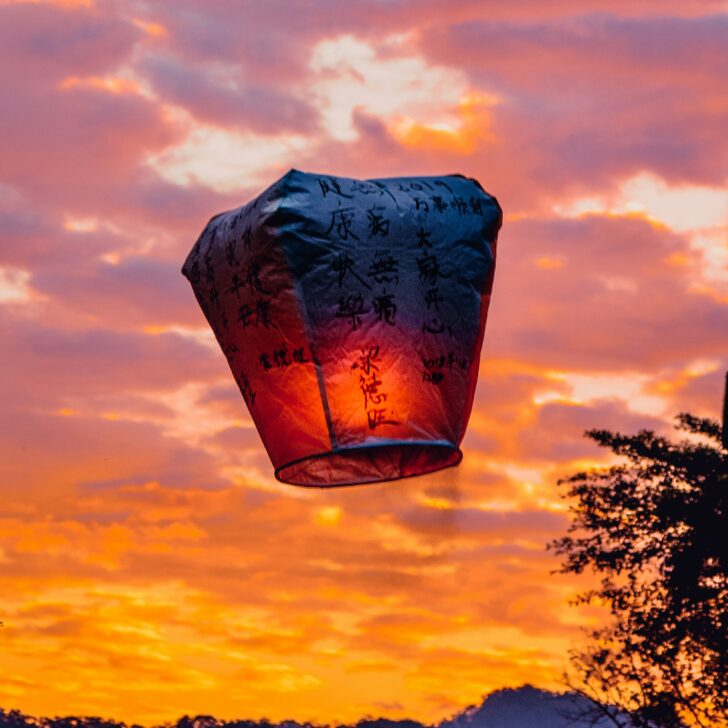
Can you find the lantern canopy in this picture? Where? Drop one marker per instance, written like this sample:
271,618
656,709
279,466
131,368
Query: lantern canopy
352,315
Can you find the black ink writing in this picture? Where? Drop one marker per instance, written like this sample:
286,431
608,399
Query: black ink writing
423,238
253,279
371,386
440,206
384,268
378,225
351,307
341,221
385,308
230,256
435,326
247,237
430,269
330,185
459,204
279,358
342,265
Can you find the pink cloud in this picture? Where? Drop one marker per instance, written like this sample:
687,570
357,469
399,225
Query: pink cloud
615,303
236,102
132,294
48,364
599,96
44,44
557,433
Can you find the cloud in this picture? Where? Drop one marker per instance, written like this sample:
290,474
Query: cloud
583,79
615,301
14,285
682,208
557,433
135,293
84,362
348,73
45,43
226,160
225,97
144,538
97,137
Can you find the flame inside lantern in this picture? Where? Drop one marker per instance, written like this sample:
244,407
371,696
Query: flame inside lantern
352,315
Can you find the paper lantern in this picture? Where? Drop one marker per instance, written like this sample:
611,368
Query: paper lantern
352,315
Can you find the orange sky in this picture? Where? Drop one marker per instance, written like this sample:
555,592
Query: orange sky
150,565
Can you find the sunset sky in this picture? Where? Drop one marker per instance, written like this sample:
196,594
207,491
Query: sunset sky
150,564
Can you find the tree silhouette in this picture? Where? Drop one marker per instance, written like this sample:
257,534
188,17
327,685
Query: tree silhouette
654,528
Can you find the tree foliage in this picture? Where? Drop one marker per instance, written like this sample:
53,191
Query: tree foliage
654,528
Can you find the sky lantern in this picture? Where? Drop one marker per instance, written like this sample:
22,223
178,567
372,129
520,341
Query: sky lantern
352,315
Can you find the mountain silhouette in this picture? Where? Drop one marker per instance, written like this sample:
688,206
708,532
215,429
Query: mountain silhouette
529,707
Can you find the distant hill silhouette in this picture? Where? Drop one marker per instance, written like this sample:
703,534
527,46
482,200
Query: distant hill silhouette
528,707
524,707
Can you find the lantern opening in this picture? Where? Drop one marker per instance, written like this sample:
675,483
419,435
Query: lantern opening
370,463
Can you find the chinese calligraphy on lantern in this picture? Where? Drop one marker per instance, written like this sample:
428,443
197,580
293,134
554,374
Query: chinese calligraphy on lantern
368,366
